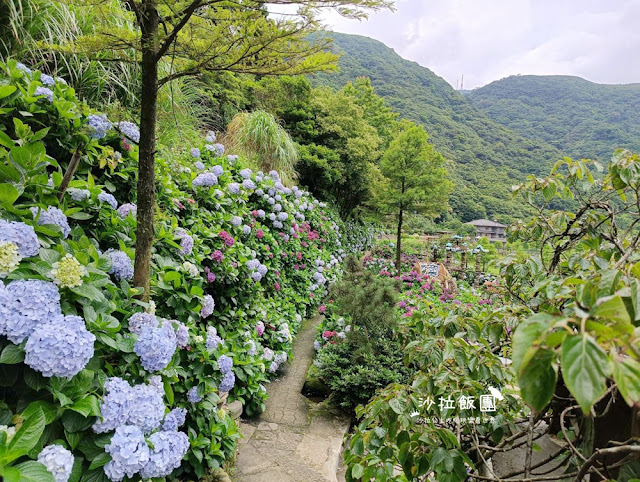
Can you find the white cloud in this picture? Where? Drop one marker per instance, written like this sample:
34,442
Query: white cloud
489,39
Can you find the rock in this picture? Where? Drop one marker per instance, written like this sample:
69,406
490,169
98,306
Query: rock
234,409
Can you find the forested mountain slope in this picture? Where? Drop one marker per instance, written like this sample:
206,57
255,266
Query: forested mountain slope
581,118
488,157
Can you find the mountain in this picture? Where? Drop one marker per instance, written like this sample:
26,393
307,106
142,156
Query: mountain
488,158
581,118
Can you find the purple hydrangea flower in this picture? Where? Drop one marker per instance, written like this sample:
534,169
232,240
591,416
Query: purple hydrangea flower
44,92
61,347
255,276
130,130
246,229
236,220
169,448
193,396
126,209
217,170
98,125
52,215
205,179
155,346
105,197
225,364
234,188
208,304
121,265
182,334
186,242
22,235
195,152
199,165
227,383
248,184
58,461
245,173
140,320
174,419
129,453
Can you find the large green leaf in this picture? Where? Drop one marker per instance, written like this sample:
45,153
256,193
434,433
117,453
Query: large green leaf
537,380
613,309
27,436
584,369
11,355
524,339
626,373
8,193
32,471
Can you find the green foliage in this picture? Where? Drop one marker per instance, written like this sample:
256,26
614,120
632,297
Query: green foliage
488,158
580,118
258,136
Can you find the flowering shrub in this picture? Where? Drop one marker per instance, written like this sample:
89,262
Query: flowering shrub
85,365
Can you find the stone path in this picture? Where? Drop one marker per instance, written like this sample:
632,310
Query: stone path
295,439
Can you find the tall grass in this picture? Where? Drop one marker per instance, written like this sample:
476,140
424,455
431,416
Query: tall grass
258,136
30,28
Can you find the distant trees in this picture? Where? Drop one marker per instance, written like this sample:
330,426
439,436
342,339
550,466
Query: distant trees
415,179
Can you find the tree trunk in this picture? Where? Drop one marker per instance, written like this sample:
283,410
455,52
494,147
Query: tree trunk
399,242
147,147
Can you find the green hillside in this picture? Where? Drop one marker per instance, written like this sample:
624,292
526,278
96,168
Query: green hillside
488,158
579,117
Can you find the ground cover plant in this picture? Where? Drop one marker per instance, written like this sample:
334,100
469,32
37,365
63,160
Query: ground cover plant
96,384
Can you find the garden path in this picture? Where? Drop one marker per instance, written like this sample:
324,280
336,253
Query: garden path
295,439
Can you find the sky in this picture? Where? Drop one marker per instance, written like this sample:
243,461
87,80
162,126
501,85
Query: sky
486,40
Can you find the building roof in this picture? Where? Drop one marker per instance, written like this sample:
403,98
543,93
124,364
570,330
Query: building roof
486,222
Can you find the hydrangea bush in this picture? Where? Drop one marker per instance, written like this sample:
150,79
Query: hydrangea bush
130,389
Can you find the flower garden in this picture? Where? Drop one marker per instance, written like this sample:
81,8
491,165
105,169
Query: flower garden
96,384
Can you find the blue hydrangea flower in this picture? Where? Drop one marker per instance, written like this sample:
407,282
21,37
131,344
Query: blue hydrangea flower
283,216
268,354
147,408
174,419
79,194
218,149
217,170
129,453
246,229
20,66
234,188
199,166
126,209
281,357
277,208
253,349
47,80
248,184
156,382
227,383
140,320
156,346
22,235
44,92
58,461
186,242
317,345
262,269
213,341
259,192
62,347
116,405
208,304
253,264
130,130
169,448
211,137
52,215
236,221
255,276
271,201
272,216
225,364
182,334
205,179
105,197
261,213
245,173
25,304
121,265
278,225
193,396
232,158
98,125
273,367
195,152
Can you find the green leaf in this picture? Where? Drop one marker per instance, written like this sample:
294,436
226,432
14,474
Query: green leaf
49,410
87,406
7,90
612,308
8,193
626,373
395,405
584,369
537,380
526,336
32,471
28,435
100,460
356,471
88,291
11,355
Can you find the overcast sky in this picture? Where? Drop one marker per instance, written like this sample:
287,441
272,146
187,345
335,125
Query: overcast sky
487,40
